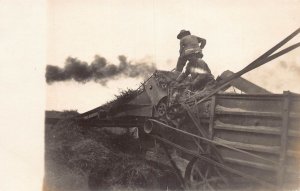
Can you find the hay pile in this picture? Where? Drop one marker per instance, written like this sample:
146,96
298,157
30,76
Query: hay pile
91,159
123,97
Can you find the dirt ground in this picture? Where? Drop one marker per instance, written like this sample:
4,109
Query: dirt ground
81,159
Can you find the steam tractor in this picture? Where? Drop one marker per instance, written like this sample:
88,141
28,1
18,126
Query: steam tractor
212,138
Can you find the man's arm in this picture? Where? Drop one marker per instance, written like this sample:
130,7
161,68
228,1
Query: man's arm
181,47
202,42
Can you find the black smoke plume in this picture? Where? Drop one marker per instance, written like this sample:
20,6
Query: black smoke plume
99,70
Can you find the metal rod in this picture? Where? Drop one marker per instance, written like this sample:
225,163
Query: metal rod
201,130
282,52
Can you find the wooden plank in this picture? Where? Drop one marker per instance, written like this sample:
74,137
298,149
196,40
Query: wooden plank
220,110
250,147
243,84
294,115
292,170
284,136
250,164
254,129
293,153
293,133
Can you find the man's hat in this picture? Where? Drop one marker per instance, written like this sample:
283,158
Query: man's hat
183,33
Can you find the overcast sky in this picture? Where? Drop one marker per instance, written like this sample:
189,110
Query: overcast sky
236,31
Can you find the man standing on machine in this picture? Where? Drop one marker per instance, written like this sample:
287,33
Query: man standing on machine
191,51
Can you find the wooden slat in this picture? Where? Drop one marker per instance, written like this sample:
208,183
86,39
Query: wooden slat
220,110
256,165
250,113
250,164
293,153
294,115
293,133
254,129
250,147
293,170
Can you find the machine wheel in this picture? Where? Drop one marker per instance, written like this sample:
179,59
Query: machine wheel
161,108
201,176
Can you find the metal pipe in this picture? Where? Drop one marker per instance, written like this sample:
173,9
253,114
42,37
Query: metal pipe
148,126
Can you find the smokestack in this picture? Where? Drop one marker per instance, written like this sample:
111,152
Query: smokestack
99,70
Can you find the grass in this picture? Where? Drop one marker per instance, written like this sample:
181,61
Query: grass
96,159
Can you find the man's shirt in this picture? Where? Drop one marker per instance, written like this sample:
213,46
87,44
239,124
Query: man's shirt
190,44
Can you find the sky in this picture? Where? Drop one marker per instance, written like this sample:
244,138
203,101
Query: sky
23,38
236,31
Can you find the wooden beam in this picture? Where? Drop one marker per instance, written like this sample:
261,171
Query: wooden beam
283,142
293,153
220,110
251,164
212,116
249,147
254,129
211,120
250,129
243,84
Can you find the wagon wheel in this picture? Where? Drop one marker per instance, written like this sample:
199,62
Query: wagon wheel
201,176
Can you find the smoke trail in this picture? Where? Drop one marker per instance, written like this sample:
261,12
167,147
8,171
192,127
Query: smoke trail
99,70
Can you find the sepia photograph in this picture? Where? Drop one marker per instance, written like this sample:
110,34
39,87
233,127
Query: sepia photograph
172,95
